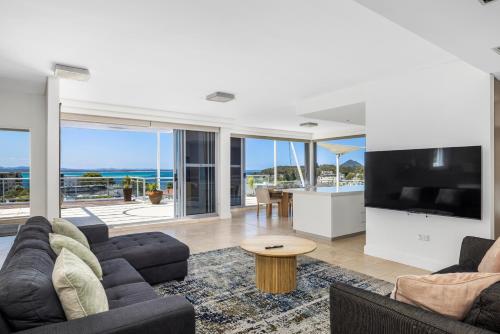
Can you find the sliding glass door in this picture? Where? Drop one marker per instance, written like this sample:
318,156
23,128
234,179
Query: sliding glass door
194,172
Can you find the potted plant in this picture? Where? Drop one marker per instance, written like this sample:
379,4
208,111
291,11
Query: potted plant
170,188
154,194
127,188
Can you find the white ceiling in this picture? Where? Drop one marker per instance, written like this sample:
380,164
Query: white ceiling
465,28
168,55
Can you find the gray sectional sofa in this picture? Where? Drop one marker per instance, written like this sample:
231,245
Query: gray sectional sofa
130,263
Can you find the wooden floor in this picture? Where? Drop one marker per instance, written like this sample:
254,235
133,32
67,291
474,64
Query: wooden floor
209,234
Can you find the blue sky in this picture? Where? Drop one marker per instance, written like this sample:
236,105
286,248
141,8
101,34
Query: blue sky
93,149
259,153
15,148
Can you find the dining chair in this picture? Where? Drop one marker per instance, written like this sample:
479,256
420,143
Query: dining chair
263,197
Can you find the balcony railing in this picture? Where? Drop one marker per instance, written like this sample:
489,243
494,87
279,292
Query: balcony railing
14,190
73,188
107,187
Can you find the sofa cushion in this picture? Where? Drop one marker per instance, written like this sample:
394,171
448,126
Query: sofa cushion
79,290
41,222
451,295
485,312
58,242
128,294
143,250
457,268
67,228
27,296
119,272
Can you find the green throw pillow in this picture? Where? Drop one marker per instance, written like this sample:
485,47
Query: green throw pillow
59,241
64,227
80,292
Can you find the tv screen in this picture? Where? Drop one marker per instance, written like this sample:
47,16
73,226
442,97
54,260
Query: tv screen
440,181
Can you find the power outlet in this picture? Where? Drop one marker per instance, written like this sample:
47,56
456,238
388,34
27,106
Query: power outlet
424,237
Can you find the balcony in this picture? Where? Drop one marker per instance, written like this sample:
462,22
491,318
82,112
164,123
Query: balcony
93,199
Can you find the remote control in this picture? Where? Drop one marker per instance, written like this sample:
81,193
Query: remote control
275,246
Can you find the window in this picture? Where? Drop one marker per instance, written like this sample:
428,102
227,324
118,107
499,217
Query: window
345,155
263,167
14,174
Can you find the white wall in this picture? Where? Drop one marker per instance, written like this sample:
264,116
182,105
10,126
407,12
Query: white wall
223,173
28,112
448,105
53,154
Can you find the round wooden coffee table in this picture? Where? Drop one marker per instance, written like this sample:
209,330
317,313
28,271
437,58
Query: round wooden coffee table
276,269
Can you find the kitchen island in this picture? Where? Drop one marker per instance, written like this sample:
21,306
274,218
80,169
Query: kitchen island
329,212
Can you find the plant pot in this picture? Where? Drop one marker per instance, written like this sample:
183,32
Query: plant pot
155,196
127,194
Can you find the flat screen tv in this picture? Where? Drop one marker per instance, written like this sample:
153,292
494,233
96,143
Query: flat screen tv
438,181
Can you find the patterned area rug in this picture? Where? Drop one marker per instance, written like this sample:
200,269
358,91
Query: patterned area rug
220,285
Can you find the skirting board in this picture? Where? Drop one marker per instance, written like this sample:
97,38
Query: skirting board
405,258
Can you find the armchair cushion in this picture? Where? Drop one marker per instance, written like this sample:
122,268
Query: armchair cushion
451,295
473,250
485,311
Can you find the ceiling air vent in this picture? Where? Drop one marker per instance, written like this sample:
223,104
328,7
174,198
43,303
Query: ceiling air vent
497,49
220,97
485,2
71,72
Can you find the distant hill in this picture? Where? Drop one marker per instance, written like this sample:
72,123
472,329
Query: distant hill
14,169
351,164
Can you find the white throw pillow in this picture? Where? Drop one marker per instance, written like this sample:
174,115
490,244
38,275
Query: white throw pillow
79,290
59,241
67,228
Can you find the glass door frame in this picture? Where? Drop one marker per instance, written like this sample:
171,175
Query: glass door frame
308,147
181,173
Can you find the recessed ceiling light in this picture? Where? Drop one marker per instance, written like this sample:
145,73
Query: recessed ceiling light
220,97
72,73
309,124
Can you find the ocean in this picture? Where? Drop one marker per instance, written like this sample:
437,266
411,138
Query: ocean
117,175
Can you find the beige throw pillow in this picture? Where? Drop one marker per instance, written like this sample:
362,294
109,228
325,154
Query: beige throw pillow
59,241
80,292
491,260
64,227
448,294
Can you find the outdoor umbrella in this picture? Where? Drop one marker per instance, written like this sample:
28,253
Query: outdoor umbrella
339,150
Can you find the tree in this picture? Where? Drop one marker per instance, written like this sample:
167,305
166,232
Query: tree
95,178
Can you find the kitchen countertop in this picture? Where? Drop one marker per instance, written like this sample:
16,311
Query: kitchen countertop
327,191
